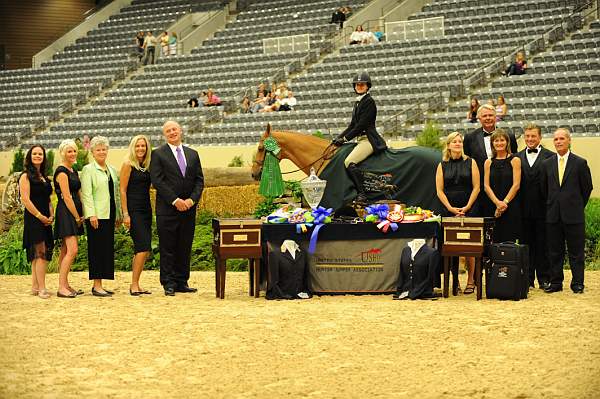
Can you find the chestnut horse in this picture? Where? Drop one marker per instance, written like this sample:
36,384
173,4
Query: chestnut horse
411,170
304,150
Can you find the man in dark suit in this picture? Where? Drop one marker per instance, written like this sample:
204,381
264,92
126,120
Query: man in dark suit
176,174
477,145
533,204
567,184
362,126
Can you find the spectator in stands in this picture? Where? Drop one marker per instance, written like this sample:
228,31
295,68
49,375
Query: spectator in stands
338,16
85,143
501,109
173,44
358,36
259,103
273,104
139,42
163,39
262,88
347,11
35,189
282,90
245,105
491,102
100,196
362,127
150,48
193,102
457,183
212,100
472,114
288,103
135,204
69,215
518,67
502,180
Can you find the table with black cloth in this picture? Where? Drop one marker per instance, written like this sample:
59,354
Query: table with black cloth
351,258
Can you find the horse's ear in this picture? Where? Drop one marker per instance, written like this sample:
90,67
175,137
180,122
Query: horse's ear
268,132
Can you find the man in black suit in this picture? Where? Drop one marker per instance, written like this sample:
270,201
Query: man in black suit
477,145
176,174
362,126
567,184
533,204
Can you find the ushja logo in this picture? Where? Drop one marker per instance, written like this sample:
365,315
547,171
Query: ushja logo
372,255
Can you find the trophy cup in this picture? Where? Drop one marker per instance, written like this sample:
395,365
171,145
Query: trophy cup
313,189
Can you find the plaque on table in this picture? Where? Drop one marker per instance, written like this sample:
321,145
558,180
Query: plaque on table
466,234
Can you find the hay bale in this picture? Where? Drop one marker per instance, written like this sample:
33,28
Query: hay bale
228,176
234,201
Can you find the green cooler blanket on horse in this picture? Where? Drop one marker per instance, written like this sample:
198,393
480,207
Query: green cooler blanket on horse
412,170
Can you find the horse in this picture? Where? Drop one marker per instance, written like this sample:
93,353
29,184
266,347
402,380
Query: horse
408,172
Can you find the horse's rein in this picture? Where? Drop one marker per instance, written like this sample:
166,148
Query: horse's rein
322,157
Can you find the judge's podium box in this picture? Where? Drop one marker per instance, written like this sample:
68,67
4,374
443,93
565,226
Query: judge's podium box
237,239
468,237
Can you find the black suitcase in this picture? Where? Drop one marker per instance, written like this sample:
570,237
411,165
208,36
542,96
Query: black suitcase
507,272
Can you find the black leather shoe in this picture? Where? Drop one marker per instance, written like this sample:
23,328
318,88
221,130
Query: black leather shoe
186,289
553,288
98,293
109,291
169,291
577,289
544,285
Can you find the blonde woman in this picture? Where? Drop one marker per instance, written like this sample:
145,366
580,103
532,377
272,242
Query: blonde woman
135,204
102,210
458,183
69,215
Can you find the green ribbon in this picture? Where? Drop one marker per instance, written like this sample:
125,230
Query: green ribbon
271,181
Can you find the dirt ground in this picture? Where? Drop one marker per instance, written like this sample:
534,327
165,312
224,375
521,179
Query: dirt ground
194,345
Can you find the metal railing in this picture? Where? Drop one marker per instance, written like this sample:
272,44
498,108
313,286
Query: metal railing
396,124
575,20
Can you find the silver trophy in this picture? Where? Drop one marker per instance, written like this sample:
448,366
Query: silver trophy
313,189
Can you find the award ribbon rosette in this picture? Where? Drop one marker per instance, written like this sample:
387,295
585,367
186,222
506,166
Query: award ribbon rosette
380,214
320,216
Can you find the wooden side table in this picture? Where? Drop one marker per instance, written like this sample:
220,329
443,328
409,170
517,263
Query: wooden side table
465,236
237,239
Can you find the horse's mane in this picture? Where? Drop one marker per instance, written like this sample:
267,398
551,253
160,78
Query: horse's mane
307,136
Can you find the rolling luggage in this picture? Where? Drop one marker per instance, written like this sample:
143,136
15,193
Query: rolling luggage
507,272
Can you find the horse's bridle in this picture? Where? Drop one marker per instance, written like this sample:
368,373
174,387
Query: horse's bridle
323,157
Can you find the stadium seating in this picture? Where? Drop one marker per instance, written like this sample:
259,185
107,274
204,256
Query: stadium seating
560,88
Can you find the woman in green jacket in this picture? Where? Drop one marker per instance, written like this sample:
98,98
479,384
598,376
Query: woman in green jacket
102,211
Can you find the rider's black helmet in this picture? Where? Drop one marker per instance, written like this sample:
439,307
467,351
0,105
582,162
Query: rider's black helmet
362,77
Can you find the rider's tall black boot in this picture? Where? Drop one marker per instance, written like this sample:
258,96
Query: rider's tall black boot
357,178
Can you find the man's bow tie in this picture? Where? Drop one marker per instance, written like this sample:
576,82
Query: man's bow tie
531,151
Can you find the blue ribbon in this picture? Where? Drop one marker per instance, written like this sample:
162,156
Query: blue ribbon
379,210
320,214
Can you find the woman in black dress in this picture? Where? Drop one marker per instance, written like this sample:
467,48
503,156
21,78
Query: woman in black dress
35,189
102,211
135,203
457,184
69,219
502,179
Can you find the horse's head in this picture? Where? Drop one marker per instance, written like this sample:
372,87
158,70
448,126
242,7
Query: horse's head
259,157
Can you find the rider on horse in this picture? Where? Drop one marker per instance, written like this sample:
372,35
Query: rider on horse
362,126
